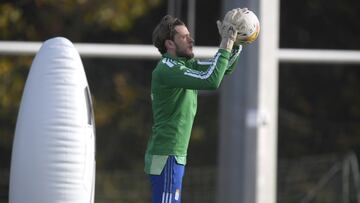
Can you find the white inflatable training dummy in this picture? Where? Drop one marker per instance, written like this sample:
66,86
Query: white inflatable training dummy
53,155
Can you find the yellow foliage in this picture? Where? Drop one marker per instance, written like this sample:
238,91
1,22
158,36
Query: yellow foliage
9,16
125,92
12,81
198,134
119,15
104,111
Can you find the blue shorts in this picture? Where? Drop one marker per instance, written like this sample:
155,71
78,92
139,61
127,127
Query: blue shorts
166,187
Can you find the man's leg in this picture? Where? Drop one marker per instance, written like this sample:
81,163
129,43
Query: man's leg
166,187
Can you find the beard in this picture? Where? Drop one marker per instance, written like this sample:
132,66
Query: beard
182,53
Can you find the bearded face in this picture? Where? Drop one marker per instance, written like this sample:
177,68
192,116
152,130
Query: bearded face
183,42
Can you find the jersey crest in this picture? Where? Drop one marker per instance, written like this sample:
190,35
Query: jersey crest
169,62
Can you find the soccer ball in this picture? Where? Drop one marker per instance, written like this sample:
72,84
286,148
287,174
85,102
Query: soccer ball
248,28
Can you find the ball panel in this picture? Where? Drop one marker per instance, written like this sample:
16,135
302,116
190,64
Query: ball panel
248,28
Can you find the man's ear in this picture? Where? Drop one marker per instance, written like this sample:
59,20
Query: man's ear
169,44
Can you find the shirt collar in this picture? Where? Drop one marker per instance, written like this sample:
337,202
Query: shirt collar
178,59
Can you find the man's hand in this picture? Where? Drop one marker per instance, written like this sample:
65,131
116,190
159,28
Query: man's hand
226,30
228,34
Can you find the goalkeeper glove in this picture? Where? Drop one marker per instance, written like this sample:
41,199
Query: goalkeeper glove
228,34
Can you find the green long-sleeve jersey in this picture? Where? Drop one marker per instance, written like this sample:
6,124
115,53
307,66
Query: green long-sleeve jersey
174,87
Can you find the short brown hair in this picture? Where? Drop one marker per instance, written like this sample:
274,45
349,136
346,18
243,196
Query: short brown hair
165,30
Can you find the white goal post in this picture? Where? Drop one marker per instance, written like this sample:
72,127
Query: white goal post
145,51
99,50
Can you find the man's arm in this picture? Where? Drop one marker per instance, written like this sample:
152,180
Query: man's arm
234,58
176,75
202,65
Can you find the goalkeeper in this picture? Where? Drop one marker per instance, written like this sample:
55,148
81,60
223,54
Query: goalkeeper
174,88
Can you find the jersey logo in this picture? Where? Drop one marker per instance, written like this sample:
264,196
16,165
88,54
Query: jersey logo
169,62
177,194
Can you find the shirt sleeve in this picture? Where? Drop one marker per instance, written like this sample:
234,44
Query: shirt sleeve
234,58
192,76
